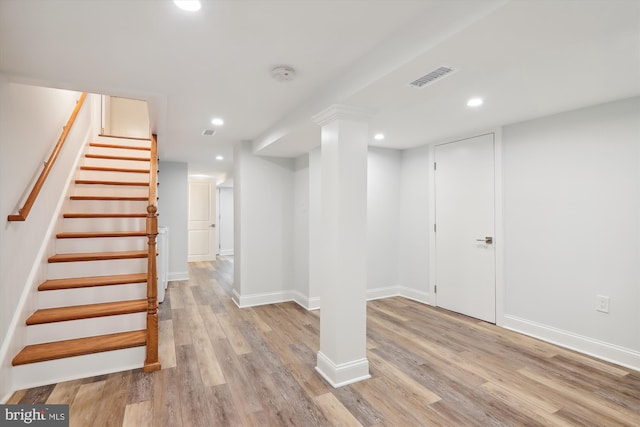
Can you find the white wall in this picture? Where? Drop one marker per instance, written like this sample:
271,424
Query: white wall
414,224
31,121
383,221
173,211
315,229
301,228
225,221
128,117
263,187
572,214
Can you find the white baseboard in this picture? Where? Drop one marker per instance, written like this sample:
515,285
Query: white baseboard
600,349
175,276
414,294
252,300
343,373
305,302
226,252
379,293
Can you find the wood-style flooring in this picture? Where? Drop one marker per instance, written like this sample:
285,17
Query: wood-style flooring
225,366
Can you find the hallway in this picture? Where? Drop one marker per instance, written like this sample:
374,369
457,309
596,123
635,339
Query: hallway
225,366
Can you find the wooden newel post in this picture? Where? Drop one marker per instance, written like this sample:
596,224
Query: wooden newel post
152,362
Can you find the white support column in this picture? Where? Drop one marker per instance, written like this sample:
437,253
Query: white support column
342,358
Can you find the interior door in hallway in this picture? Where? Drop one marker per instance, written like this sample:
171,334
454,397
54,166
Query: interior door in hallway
203,240
465,254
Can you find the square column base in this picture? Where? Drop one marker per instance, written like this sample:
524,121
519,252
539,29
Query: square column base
343,373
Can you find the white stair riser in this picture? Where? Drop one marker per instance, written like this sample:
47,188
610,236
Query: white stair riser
101,244
122,141
65,270
107,206
113,163
103,224
71,368
110,190
113,176
92,295
143,154
59,331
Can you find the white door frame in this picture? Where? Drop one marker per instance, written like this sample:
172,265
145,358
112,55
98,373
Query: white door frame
498,218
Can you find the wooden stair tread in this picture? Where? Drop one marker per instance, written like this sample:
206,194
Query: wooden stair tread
79,346
97,256
88,282
111,198
88,311
108,169
92,234
112,157
104,215
119,146
101,182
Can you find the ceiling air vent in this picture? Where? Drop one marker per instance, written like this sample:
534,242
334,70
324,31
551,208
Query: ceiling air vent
435,75
208,132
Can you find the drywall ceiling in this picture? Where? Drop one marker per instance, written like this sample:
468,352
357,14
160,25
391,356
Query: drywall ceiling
526,58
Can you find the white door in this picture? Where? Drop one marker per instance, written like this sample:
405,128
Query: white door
465,255
225,229
202,221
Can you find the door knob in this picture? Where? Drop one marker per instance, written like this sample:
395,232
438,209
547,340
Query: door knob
488,240
213,225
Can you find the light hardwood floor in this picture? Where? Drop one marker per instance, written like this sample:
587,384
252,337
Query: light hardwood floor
243,367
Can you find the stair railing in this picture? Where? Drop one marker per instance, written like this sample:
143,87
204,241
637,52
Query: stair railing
152,362
48,165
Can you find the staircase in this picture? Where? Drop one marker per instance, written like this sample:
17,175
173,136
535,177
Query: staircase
93,309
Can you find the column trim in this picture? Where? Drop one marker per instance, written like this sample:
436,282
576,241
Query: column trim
343,373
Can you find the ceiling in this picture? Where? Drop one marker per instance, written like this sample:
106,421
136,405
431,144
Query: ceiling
525,58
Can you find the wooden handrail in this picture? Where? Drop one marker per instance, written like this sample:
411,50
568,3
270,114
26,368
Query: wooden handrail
152,362
24,211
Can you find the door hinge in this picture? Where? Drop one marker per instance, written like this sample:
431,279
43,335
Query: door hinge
434,165
435,289
434,228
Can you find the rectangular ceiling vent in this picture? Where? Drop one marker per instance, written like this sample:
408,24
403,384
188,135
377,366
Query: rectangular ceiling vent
208,132
436,75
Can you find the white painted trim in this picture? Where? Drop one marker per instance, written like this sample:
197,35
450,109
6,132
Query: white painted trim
433,298
343,373
379,293
600,349
235,297
21,313
305,302
262,299
177,275
499,226
414,294
226,252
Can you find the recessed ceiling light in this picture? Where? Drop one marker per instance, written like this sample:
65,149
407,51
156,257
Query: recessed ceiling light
188,5
378,136
219,158
474,102
217,121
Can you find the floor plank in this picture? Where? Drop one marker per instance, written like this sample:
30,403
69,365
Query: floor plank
227,366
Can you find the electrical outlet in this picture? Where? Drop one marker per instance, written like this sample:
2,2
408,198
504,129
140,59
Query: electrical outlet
603,304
